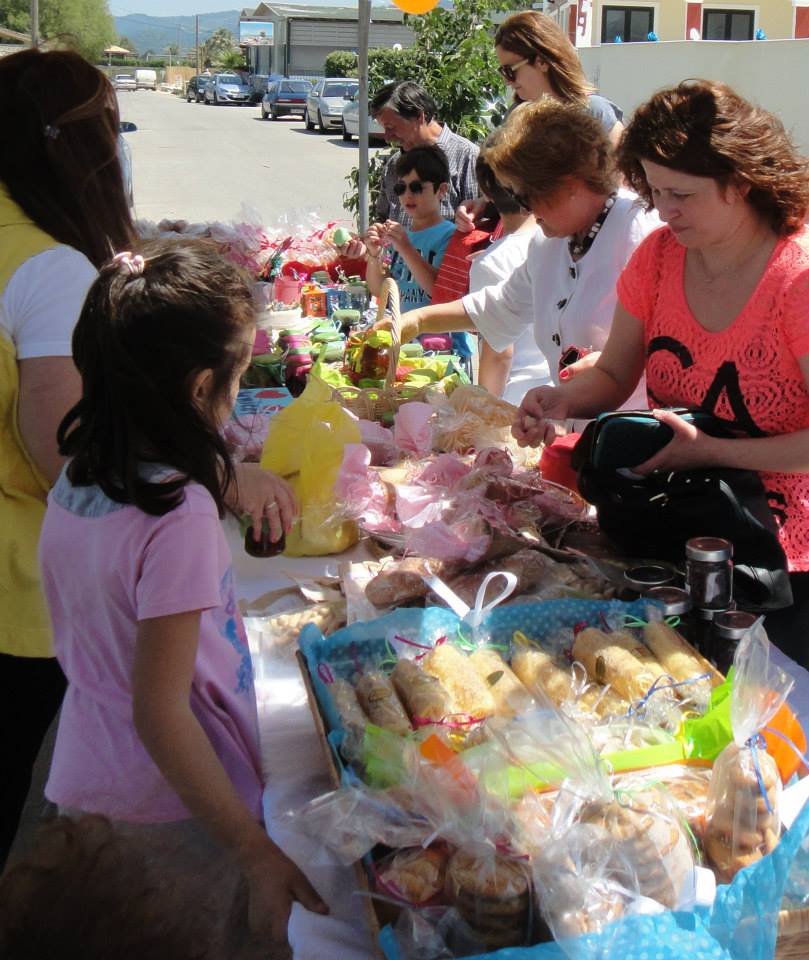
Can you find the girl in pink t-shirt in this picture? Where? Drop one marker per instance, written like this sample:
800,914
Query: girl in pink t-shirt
159,730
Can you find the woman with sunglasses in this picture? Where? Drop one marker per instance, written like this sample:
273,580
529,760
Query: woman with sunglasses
555,160
537,60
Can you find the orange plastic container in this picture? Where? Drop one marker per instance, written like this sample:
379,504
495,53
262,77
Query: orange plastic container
554,464
786,723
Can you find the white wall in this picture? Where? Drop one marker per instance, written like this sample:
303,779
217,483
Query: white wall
772,73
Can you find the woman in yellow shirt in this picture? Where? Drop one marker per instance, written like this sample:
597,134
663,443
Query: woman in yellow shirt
63,211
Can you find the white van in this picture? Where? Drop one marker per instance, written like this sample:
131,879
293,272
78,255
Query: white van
146,79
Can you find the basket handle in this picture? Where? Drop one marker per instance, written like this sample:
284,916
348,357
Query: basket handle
389,294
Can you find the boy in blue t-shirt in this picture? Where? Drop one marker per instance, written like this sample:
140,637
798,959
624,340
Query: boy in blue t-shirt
423,179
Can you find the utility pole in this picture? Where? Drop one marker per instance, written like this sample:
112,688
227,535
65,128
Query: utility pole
196,39
34,23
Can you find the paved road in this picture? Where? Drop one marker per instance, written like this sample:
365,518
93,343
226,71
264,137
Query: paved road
198,162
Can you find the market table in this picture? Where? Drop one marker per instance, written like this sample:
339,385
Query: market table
296,770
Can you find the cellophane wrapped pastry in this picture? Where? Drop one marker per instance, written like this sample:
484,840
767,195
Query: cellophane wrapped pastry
378,699
743,819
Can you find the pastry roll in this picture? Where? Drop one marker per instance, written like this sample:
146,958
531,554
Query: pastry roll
676,655
611,663
510,696
538,670
603,701
378,698
423,695
352,718
471,694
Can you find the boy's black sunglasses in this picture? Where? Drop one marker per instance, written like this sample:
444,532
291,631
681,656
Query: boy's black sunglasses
400,188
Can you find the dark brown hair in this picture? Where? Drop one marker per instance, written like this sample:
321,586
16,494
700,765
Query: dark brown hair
536,37
85,893
704,128
139,343
545,142
487,181
59,150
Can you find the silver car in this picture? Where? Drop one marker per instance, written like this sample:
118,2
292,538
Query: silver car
326,101
124,81
227,88
351,121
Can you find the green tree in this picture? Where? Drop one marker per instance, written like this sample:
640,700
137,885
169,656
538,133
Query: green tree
127,44
452,58
220,42
233,60
83,25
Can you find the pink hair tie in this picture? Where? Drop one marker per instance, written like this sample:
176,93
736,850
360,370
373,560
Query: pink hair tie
133,265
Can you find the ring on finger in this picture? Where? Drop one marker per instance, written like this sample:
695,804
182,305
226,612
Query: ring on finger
273,505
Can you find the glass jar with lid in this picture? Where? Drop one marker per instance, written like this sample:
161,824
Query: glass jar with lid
729,627
675,602
643,578
709,572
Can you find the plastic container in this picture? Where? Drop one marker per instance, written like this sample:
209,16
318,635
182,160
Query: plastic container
555,464
709,572
641,579
264,546
286,289
313,302
728,629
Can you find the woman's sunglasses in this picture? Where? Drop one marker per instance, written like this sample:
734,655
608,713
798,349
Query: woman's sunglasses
508,71
400,188
520,199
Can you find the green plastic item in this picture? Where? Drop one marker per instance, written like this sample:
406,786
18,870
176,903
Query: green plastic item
320,276
346,316
707,736
414,349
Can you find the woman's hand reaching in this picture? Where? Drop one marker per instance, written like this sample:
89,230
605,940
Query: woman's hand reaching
537,419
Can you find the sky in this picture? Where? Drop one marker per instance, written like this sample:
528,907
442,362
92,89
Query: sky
175,8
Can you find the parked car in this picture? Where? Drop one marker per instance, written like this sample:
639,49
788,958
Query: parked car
124,81
284,98
196,87
125,159
258,84
146,79
326,101
226,88
351,121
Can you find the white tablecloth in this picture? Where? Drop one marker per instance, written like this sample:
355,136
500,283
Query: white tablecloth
296,771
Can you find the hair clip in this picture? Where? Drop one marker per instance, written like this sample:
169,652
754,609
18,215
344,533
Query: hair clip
51,131
133,265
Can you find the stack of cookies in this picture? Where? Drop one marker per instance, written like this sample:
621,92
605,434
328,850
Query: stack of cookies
493,895
742,820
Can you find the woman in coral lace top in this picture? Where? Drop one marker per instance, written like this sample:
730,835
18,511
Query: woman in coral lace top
714,308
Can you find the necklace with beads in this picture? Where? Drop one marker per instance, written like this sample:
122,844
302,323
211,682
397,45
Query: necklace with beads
578,248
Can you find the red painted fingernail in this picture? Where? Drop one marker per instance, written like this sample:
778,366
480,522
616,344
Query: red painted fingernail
564,374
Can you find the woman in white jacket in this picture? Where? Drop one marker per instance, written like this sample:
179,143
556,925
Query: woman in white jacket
555,160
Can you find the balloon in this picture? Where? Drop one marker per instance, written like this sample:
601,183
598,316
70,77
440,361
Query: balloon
416,6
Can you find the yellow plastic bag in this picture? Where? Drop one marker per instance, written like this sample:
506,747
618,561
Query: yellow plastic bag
305,446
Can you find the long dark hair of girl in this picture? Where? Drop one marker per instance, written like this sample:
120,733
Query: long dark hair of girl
59,150
141,340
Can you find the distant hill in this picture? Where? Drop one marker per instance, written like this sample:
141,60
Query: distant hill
156,33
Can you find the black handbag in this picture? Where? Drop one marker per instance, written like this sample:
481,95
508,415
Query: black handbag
653,516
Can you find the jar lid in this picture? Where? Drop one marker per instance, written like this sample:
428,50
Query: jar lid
708,549
708,614
733,624
648,575
675,601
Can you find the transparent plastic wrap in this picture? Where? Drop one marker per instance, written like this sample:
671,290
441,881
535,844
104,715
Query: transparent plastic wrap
351,821
414,875
743,822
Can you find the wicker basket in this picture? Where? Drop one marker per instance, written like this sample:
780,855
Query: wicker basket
380,403
793,935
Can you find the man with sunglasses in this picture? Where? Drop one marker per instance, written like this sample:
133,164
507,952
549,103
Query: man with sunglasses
407,114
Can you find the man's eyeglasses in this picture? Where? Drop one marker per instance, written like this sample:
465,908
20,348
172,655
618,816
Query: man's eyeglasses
520,199
400,188
508,71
